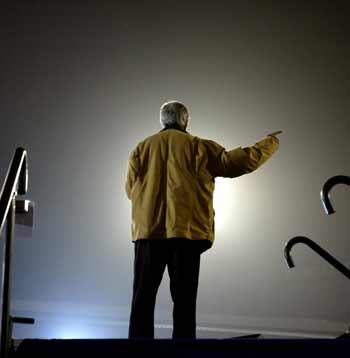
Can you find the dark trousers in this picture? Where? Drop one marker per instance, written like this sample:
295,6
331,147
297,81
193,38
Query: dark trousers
182,258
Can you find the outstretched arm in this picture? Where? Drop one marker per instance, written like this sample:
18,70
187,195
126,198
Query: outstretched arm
261,151
240,161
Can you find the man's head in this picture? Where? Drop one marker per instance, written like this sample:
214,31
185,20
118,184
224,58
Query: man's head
174,113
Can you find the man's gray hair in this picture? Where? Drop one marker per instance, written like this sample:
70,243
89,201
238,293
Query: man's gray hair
174,113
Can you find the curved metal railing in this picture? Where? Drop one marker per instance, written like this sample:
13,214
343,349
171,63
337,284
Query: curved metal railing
323,253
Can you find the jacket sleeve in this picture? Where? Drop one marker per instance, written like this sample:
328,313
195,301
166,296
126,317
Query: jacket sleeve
239,161
132,172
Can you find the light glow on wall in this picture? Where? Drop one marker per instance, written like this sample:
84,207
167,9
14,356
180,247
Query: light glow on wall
224,204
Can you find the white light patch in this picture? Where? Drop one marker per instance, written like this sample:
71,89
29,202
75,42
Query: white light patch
74,331
224,203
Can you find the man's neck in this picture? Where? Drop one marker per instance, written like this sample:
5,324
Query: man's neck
174,126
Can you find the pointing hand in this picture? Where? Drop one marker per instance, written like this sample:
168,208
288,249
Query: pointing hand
273,134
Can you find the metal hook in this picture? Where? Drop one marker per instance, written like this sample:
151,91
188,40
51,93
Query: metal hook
327,187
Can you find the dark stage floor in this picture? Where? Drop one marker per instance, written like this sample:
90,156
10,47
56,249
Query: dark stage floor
166,348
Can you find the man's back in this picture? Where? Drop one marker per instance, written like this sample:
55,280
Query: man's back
170,198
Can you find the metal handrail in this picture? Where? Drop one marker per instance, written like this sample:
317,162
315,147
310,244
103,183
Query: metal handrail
16,183
323,253
327,187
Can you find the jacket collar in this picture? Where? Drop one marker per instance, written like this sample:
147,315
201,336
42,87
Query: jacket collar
174,126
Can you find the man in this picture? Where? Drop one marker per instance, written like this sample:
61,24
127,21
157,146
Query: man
170,182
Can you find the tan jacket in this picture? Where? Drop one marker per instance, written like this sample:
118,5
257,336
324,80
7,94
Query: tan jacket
171,179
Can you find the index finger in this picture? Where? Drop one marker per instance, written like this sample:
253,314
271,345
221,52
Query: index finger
275,133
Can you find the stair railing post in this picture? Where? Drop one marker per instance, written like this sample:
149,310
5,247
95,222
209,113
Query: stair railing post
6,281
